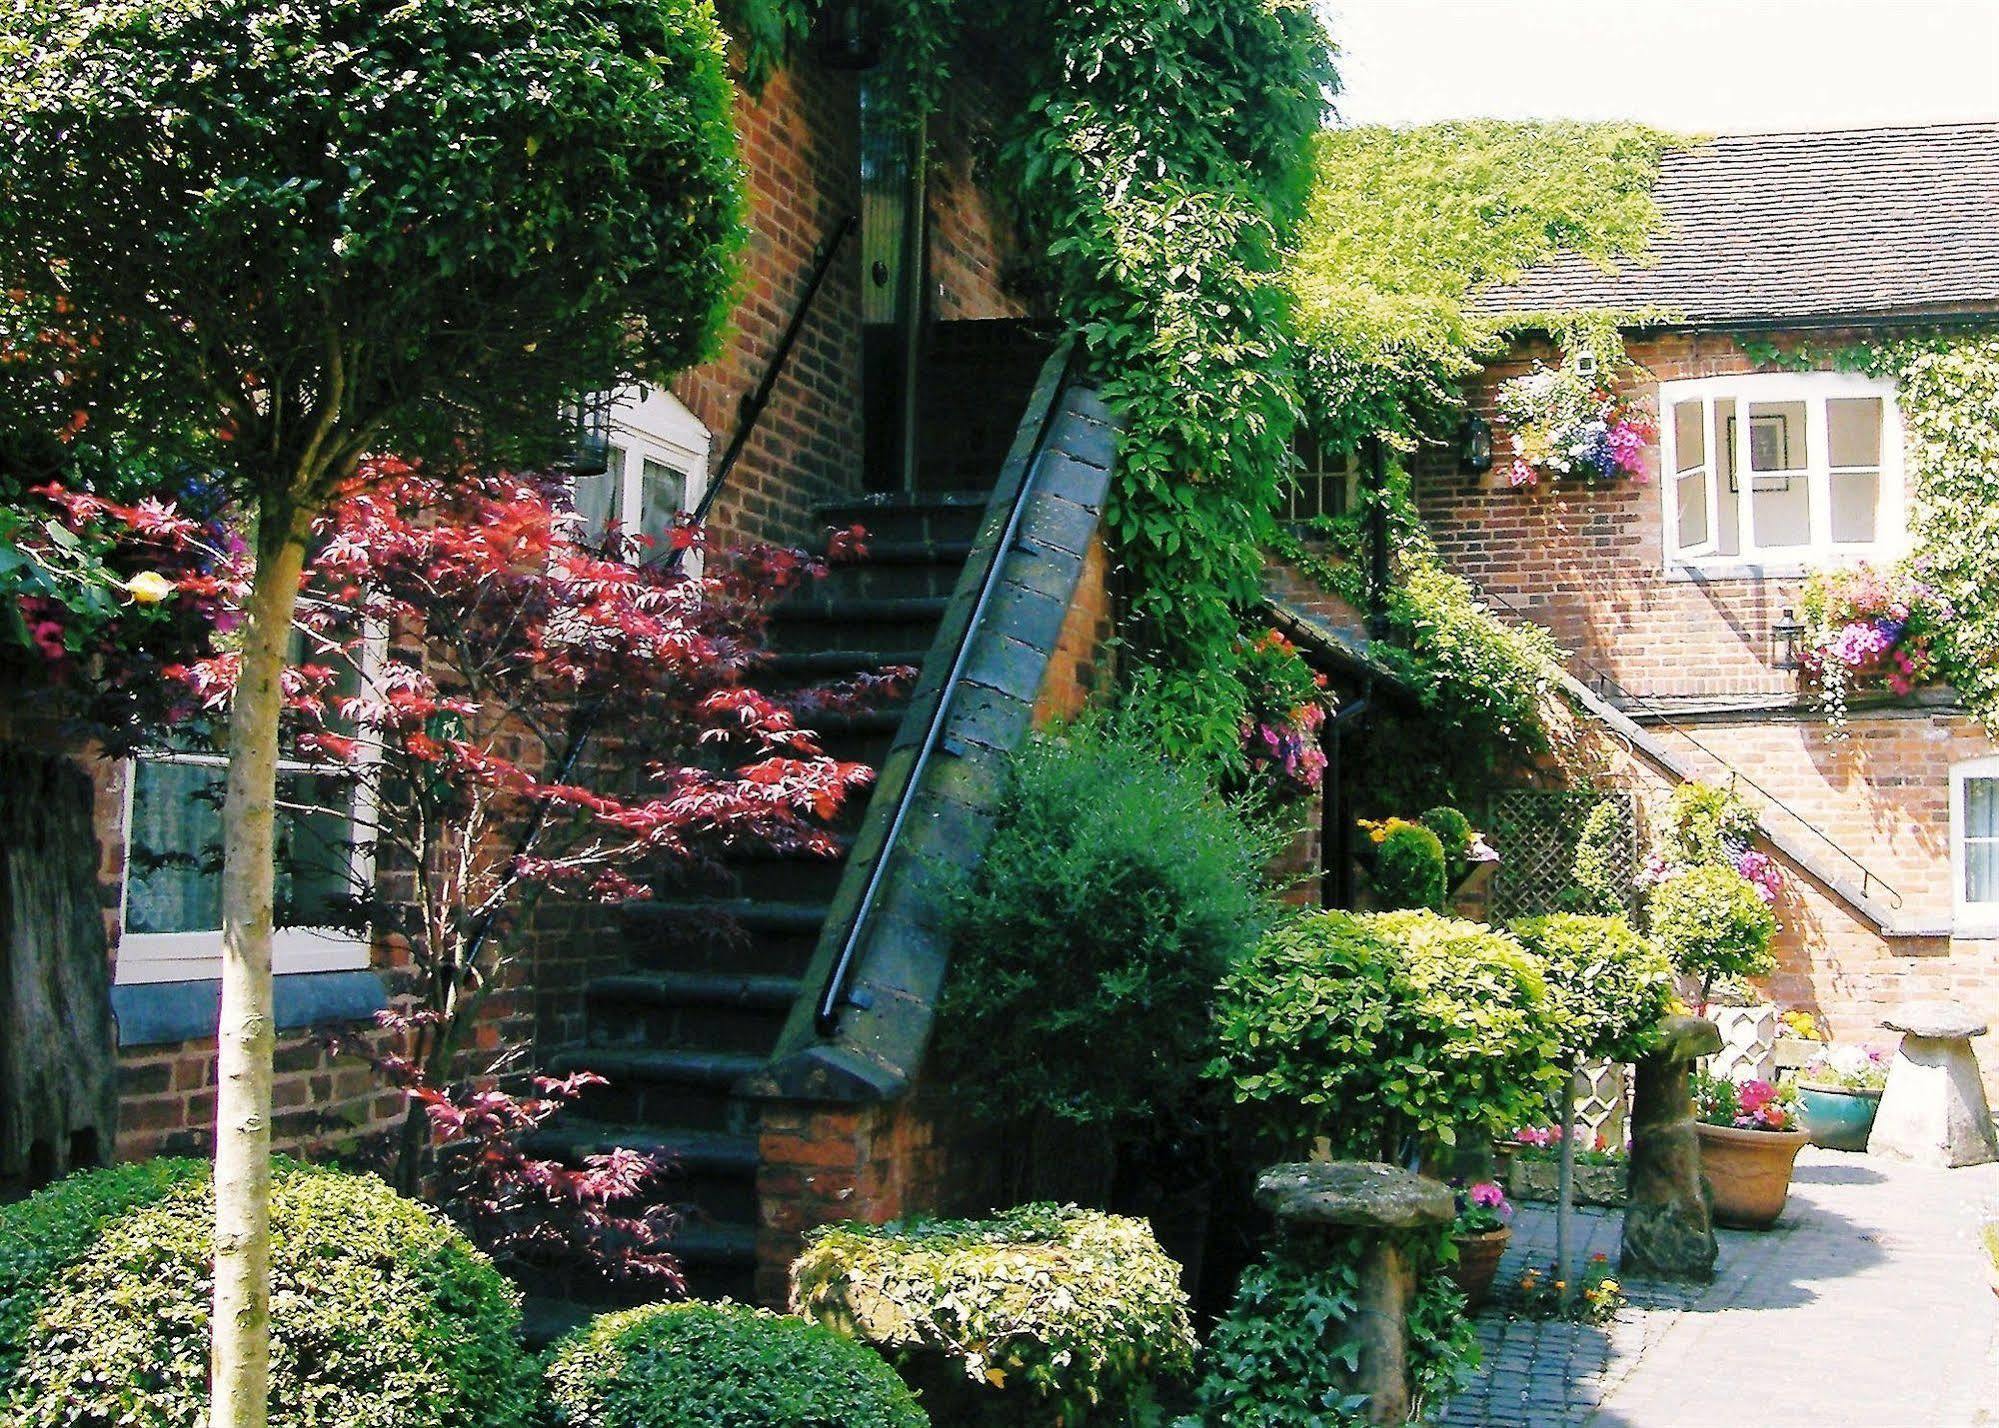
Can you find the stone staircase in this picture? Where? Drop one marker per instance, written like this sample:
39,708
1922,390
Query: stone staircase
716,969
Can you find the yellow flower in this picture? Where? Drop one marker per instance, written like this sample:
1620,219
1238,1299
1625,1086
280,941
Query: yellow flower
149,587
1610,1286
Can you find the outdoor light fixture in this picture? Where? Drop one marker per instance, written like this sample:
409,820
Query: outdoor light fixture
1475,445
1785,632
589,420
849,35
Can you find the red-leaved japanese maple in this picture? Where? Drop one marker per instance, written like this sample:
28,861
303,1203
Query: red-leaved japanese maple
452,637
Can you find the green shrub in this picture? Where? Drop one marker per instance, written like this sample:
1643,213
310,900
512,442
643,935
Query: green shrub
1409,870
1373,1030
1608,985
381,1314
1115,892
1045,1314
1280,1359
1601,887
721,1366
1455,832
1711,923
46,1233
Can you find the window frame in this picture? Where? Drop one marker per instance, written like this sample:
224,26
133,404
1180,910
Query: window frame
1981,918
650,422
1813,390
146,958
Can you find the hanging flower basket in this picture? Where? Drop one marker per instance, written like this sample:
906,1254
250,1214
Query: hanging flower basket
1568,423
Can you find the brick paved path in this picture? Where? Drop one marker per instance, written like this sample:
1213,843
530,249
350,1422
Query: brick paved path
1867,1307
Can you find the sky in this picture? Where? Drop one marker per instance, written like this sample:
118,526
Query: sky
1697,66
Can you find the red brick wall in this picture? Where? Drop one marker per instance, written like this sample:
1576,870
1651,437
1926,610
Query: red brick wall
1587,563
1587,560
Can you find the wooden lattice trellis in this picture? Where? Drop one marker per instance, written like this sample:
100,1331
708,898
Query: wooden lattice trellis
1535,832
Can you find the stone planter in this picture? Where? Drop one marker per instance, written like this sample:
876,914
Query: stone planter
1749,1171
1542,1180
1837,1119
1478,1264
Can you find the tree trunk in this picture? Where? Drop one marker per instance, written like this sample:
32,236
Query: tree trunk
240,1352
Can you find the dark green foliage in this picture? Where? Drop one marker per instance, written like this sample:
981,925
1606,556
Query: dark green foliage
1280,1356
721,1366
1116,891
360,224
1374,1030
1045,1315
49,1231
1711,923
1706,823
1409,868
381,1314
1601,888
1608,985
1455,832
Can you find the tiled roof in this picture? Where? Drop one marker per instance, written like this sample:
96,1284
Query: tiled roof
1855,222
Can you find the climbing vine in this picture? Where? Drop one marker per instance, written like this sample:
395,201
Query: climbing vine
1156,171
1404,225
1948,392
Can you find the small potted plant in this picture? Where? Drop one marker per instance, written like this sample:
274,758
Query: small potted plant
1534,1166
1839,1090
1481,1235
1749,1137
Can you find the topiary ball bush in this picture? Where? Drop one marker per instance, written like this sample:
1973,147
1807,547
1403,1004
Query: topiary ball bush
1608,985
1711,923
1455,832
381,1312
721,1366
1409,868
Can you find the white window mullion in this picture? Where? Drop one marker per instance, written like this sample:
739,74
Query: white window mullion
1712,479
1818,472
1742,470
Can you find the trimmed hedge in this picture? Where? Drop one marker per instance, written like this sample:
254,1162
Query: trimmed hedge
1376,1029
381,1313
1045,1314
1711,923
1410,868
1608,985
721,1366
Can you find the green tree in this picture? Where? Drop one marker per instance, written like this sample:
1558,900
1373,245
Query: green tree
268,239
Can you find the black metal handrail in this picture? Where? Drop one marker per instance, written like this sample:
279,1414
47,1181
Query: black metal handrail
1606,686
833,997
584,719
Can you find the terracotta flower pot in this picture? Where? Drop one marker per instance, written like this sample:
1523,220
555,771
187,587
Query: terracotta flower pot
1478,1263
1750,1172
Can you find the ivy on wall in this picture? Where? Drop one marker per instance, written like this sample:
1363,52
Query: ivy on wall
1404,225
1155,167
1948,392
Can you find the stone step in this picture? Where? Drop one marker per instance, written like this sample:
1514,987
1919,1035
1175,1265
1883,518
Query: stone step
739,936
898,567
716,1170
705,1011
667,1087
929,515
813,622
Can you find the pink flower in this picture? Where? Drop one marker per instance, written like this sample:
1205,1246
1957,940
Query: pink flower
1488,1195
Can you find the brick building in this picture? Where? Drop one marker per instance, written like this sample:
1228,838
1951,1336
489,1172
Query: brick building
1674,592
879,370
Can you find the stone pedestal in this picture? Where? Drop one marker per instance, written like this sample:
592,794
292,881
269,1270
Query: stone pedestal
1343,1200
1668,1226
1934,1111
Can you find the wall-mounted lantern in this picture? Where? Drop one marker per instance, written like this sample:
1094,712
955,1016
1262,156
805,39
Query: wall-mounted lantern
1785,632
589,423
1475,445
848,35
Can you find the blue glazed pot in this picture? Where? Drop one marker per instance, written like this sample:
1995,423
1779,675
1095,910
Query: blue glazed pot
1838,1120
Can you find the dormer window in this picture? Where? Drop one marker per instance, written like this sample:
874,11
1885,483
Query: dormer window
1772,474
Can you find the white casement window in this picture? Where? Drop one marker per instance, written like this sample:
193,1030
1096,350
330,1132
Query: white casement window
171,898
1327,481
657,466
1774,474
1974,844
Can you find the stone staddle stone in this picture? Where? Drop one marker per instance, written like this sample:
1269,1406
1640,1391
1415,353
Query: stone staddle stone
1933,1111
1668,1229
1352,1194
